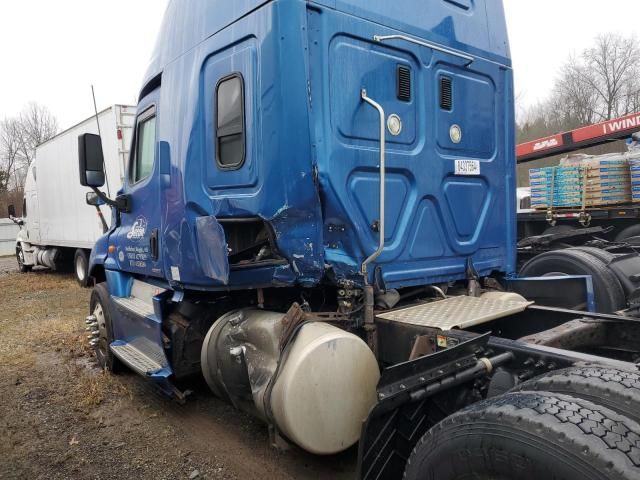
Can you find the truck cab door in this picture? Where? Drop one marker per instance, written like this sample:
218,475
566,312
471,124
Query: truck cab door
31,208
137,238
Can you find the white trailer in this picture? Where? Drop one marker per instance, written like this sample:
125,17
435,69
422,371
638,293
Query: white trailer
58,228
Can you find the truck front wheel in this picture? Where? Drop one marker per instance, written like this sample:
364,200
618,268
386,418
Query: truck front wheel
529,436
20,257
81,267
100,307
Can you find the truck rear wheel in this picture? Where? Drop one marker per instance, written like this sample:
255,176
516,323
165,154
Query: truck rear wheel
627,233
602,255
529,436
609,294
616,389
81,267
100,306
20,258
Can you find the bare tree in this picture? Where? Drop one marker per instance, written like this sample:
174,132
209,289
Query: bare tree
600,84
37,125
19,138
611,69
574,101
10,146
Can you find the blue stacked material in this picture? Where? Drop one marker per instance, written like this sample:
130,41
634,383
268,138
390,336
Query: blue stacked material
590,181
634,167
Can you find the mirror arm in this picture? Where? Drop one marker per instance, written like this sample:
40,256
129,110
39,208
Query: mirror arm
122,203
103,222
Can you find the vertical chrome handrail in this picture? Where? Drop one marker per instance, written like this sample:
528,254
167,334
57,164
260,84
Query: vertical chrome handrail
376,254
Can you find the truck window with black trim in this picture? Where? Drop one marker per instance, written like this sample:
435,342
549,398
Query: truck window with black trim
229,135
145,146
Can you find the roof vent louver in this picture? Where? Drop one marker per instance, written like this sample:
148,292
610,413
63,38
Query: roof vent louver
446,94
404,83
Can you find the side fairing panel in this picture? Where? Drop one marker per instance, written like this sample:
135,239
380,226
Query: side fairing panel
476,26
276,181
436,220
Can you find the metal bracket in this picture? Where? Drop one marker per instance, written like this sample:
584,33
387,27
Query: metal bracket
423,43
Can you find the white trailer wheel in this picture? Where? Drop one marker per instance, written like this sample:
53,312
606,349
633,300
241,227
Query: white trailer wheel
20,258
81,267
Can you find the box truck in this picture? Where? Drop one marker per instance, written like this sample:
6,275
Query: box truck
318,218
58,228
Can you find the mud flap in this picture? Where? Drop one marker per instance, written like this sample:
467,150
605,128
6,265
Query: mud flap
398,421
212,249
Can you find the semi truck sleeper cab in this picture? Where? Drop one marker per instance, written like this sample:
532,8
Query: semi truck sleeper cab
318,218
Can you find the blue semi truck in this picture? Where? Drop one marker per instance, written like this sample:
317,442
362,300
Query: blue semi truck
318,218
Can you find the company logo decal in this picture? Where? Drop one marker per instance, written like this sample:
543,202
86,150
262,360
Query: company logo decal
545,144
138,229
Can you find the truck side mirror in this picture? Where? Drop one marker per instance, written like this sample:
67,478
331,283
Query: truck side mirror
91,160
93,199
12,211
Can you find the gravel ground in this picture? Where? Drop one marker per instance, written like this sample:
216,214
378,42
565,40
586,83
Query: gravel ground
61,417
8,265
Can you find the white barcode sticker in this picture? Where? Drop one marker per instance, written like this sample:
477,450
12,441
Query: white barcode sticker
175,273
467,167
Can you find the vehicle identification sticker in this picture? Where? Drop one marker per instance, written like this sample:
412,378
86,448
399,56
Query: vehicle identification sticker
175,273
467,167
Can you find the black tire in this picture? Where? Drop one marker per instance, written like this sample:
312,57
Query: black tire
529,436
618,390
81,267
104,356
602,255
20,259
629,232
609,294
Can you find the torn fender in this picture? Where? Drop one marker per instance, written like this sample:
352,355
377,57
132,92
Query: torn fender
212,249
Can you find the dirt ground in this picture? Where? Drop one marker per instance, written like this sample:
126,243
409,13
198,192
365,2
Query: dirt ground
61,417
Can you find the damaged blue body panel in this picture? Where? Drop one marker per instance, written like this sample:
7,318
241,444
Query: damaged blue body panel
300,206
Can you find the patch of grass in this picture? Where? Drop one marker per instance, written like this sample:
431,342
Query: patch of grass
92,388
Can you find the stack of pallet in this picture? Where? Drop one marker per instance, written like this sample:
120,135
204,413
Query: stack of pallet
582,181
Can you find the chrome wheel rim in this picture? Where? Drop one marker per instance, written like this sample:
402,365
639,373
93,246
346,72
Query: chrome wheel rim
103,343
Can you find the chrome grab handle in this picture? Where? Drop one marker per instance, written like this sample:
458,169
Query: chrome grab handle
432,46
376,254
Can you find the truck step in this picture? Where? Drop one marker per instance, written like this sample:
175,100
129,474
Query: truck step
138,306
140,300
455,312
140,354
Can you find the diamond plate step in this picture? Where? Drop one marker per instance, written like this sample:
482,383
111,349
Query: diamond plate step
135,305
140,301
455,312
144,362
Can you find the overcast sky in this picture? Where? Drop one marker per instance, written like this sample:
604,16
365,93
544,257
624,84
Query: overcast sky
52,51
544,33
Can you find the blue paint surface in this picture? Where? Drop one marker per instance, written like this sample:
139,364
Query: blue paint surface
311,167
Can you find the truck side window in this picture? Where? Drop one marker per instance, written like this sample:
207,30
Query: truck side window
145,148
230,150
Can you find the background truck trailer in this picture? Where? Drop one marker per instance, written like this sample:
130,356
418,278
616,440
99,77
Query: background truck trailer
58,228
618,218
318,217
601,241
